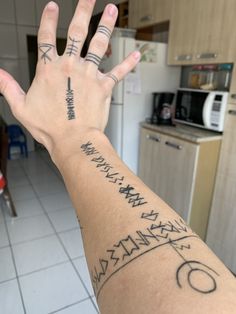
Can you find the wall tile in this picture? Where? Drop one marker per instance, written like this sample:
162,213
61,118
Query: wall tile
8,40
7,11
25,12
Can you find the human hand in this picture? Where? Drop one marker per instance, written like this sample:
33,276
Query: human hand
69,95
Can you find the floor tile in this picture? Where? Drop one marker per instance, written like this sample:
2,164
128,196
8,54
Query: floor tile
16,171
73,243
84,307
26,229
3,236
7,270
16,181
82,267
50,187
51,289
43,178
26,208
38,254
21,193
10,298
64,219
56,202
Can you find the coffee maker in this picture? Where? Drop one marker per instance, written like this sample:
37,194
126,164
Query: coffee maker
162,111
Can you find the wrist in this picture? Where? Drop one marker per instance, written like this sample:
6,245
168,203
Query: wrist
65,148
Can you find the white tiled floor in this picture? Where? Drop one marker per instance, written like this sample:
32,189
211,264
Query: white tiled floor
42,265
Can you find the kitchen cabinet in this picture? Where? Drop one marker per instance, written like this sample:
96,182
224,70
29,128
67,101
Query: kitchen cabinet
201,32
181,172
221,235
149,12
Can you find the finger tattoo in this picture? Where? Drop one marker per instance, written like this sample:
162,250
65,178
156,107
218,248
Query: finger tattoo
72,47
113,77
104,30
91,57
45,49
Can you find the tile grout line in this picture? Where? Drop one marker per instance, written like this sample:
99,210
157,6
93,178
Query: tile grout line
68,306
14,263
59,239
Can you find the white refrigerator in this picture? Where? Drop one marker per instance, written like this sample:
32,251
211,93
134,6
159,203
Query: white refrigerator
132,98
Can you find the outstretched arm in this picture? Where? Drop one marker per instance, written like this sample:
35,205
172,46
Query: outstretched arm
142,256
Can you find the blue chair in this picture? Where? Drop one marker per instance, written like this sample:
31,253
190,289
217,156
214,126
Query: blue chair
16,138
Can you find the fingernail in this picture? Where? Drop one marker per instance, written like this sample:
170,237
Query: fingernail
111,9
137,55
51,5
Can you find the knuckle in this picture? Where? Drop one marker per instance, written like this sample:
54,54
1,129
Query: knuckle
78,31
99,43
45,36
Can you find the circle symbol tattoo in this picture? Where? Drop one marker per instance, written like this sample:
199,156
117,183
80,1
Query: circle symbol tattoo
198,276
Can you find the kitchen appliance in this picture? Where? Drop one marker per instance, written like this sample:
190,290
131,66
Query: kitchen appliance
132,98
205,109
162,111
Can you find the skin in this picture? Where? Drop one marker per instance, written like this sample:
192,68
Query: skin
142,257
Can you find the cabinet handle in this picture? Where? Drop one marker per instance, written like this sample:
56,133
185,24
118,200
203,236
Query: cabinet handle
153,138
233,112
207,55
183,58
173,145
146,18
233,96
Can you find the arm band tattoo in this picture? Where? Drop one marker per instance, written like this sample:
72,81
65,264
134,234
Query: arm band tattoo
72,48
70,101
104,30
113,77
45,48
93,58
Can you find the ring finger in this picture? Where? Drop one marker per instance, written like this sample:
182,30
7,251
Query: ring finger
99,42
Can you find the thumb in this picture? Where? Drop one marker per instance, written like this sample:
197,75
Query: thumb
12,91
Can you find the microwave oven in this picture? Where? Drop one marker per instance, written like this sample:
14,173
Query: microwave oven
205,109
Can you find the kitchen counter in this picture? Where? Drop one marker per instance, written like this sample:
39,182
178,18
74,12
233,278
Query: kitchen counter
185,132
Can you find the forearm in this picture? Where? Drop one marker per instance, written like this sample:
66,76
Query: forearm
138,249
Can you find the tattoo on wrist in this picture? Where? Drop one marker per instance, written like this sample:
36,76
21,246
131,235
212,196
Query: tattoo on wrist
173,234
45,49
70,101
104,30
72,47
113,77
91,57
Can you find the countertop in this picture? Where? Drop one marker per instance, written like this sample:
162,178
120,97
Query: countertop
184,132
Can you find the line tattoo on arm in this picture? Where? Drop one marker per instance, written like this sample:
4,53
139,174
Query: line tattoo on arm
104,30
91,57
45,49
72,46
157,234
70,101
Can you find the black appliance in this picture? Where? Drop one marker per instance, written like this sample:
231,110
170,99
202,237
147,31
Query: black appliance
162,111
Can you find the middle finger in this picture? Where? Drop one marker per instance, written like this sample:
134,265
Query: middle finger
78,28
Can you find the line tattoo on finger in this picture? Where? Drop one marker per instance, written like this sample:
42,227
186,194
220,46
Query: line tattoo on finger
104,30
113,77
91,57
45,49
72,47
70,101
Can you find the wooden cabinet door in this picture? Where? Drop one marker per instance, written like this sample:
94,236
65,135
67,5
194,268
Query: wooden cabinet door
167,166
150,158
145,13
201,32
221,236
183,24
178,173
